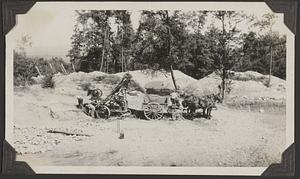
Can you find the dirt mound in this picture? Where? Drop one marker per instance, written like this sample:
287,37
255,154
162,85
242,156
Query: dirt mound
46,120
247,84
75,82
152,79
204,86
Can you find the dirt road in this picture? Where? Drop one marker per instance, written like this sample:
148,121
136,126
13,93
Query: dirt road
231,138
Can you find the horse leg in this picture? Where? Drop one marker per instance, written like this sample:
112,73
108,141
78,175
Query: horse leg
189,113
204,112
209,113
192,112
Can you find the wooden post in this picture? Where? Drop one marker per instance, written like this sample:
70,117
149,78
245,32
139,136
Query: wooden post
50,66
122,62
122,52
271,61
107,64
173,78
63,68
125,65
103,49
38,70
73,67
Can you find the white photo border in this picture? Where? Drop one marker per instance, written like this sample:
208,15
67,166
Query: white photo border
241,6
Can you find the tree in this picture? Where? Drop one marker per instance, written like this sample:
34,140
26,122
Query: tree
253,53
122,47
23,44
23,66
91,41
227,43
270,37
195,21
256,49
266,23
96,45
256,54
196,46
160,40
151,41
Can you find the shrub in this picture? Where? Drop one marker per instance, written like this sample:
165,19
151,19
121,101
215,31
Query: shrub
109,79
48,82
24,68
86,86
100,78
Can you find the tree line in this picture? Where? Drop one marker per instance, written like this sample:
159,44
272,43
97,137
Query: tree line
194,42
25,67
105,41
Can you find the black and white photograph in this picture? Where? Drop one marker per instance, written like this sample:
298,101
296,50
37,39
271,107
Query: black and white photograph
149,87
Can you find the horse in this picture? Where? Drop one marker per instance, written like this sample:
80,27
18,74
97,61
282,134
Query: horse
206,103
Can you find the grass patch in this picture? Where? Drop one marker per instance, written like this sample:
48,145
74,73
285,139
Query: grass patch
108,79
86,86
257,105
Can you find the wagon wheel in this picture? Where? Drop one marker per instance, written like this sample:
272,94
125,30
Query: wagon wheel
102,112
153,111
100,92
177,114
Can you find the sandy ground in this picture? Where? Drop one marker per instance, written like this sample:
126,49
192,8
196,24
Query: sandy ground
50,130
230,138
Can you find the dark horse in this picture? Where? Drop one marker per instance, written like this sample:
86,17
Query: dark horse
206,103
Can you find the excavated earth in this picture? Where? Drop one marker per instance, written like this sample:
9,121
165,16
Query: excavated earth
247,130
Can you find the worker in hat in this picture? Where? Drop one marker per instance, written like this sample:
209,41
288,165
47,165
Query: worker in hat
175,99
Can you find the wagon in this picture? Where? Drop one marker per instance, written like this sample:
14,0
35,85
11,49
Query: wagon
157,107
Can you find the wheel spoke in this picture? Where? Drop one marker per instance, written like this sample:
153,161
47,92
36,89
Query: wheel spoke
155,115
153,111
160,114
148,112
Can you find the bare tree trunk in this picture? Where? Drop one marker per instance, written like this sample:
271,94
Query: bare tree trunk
173,78
224,56
169,35
38,70
116,65
125,64
106,65
169,51
63,68
223,83
122,63
271,61
50,67
73,67
122,51
103,49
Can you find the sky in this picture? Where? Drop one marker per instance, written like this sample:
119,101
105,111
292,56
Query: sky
50,24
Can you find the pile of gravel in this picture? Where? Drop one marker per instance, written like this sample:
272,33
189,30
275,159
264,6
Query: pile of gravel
32,140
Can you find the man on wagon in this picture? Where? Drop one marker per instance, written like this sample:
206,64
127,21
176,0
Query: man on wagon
175,98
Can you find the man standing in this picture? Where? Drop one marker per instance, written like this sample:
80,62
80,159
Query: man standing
175,99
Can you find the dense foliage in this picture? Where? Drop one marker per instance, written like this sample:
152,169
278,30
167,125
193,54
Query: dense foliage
96,46
194,42
25,68
181,39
